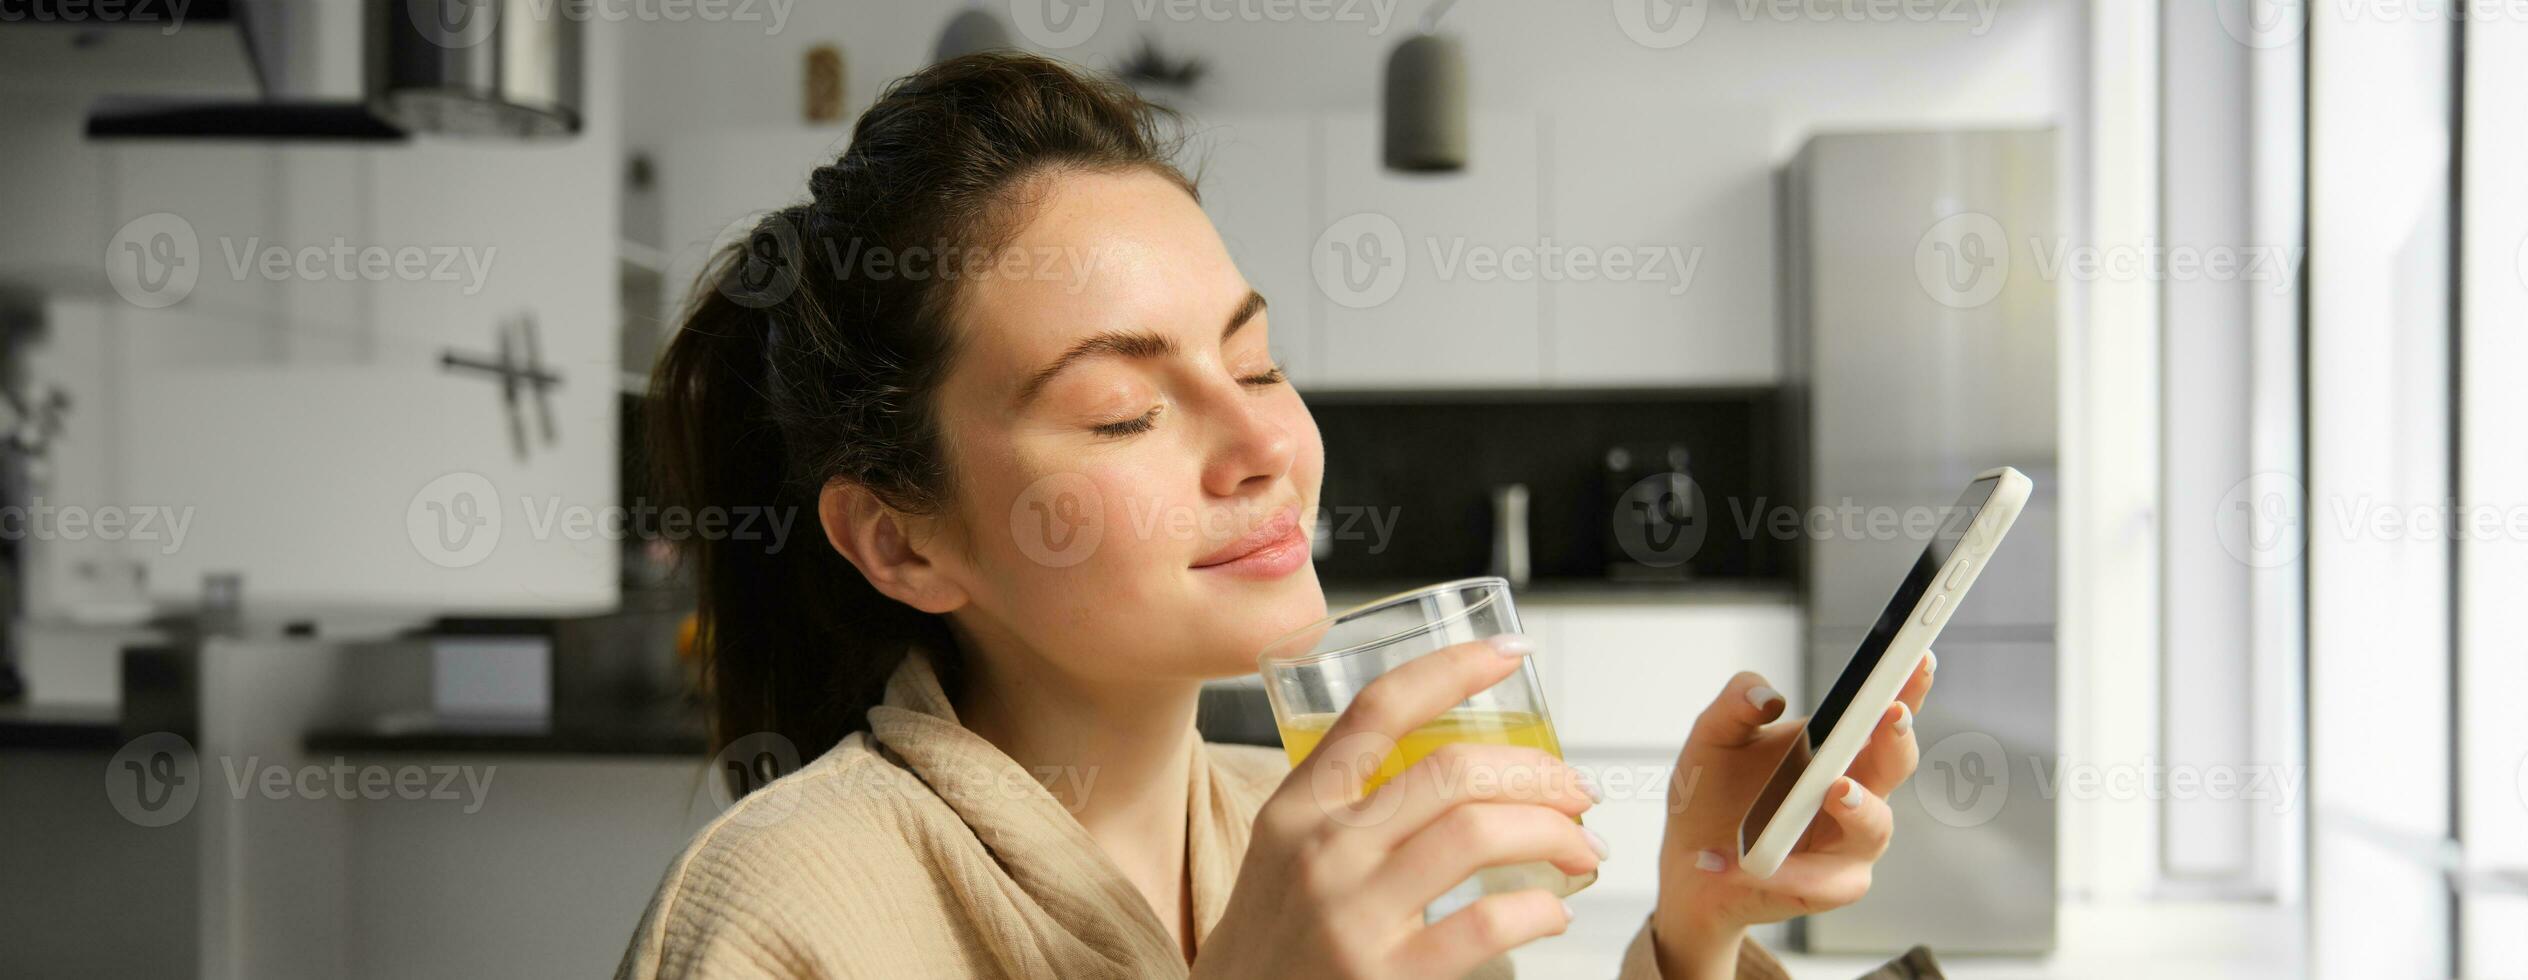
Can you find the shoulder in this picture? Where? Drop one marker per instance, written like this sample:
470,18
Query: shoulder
846,824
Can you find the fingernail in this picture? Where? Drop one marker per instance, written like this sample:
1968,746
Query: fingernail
1510,644
1852,795
1596,843
1711,861
1567,913
1930,662
1904,718
1762,695
1589,786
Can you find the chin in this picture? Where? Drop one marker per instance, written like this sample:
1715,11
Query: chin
1276,609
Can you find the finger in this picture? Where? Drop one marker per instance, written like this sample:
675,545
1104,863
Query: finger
1742,708
1416,691
1475,836
1488,927
1918,686
1470,772
1862,820
1889,758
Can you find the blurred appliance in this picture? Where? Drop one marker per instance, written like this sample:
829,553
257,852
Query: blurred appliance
1655,512
1919,349
370,70
1509,533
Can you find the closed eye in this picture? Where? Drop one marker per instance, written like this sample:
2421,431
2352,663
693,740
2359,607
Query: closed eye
1129,426
1272,377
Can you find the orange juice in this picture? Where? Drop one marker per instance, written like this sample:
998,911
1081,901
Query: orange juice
1301,733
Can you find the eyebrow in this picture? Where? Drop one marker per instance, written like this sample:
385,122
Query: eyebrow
1131,343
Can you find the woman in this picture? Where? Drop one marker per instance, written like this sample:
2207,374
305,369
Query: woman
1005,358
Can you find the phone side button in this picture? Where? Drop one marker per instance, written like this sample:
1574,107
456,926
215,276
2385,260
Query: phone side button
1957,576
1931,613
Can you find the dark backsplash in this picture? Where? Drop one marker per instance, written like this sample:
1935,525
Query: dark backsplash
1427,462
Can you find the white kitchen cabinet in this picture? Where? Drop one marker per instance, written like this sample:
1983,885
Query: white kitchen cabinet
1631,677
1681,194
1254,172
297,414
1417,273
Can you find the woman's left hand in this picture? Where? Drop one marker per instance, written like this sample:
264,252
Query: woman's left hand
1705,901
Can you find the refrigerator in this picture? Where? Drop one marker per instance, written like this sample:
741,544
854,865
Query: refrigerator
1921,275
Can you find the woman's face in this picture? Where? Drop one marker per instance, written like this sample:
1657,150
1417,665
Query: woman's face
1116,426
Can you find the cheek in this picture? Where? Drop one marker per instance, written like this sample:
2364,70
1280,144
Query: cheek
1099,527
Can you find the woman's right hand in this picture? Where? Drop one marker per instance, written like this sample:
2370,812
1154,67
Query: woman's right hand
1334,883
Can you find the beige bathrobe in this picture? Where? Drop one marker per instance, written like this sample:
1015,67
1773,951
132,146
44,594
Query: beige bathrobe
918,849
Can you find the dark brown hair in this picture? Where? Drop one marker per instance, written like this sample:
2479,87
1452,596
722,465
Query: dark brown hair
797,365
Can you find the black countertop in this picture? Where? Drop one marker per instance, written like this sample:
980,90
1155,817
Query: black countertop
74,727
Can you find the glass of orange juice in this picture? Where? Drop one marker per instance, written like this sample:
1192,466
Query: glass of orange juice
1313,673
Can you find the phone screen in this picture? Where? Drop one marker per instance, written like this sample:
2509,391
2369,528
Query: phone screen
1838,699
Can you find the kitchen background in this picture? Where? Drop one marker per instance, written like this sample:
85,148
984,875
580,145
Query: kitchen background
343,641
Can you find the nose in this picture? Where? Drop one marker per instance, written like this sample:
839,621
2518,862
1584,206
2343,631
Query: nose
1251,448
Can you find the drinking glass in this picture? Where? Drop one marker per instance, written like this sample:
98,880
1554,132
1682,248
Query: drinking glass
1313,673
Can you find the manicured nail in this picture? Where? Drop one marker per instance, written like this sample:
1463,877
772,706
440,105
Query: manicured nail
1510,644
1904,718
1852,795
1762,695
1711,861
1567,913
1930,662
1596,843
1589,786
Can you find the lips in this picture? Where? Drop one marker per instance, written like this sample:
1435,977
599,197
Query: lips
1281,526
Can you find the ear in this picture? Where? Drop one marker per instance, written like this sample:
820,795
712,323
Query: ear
878,541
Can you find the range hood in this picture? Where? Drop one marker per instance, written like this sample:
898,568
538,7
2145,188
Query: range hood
372,70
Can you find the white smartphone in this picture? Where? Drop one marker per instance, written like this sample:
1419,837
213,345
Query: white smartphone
1833,737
